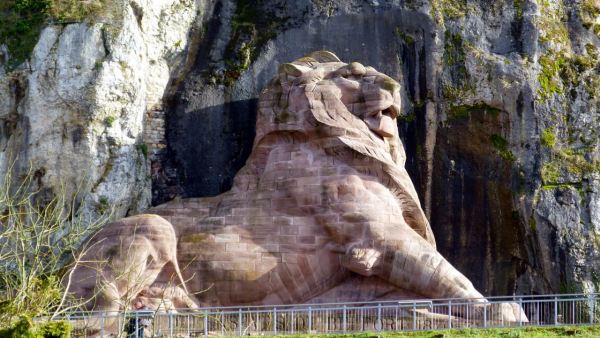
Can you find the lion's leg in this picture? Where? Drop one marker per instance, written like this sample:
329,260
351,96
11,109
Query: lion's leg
415,265
405,259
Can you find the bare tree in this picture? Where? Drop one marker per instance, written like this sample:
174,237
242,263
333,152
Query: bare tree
39,235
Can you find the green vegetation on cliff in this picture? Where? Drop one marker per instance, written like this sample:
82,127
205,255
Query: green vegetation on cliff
20,26
253,26
560,73
562,68
568,161
501,145
457,112
21,21
548,138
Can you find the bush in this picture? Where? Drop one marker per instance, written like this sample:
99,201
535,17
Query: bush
27,328
58,329
109,120
548,139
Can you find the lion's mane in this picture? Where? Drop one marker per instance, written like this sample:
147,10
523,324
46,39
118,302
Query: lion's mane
317,114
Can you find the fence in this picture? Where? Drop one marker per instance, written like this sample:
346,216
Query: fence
415,315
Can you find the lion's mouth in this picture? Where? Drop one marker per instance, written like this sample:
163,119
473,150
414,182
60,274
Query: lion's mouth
381,122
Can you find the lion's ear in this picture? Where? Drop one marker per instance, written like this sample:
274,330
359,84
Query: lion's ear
293,70
324,56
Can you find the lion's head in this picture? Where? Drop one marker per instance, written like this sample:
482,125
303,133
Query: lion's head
319,90
343,108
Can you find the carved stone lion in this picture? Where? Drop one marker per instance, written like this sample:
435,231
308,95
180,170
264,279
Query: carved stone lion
324,199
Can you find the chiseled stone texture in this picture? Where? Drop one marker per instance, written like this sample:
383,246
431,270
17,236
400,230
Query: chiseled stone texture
471,71
323,208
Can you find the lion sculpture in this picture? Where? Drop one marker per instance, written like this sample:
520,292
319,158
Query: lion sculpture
324,198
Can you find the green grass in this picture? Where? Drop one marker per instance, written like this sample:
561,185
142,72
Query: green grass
560,331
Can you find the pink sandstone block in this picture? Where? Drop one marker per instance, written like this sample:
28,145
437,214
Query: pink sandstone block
323,209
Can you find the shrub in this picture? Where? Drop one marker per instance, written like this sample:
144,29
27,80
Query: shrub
58,329
109,120
25,327
548,139
143,148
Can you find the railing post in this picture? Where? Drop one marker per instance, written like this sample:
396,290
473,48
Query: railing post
102,325
171,322
205,324
379,317
344,319
485,313
188,325
537,312
362,323
555,310
467,306
292,322
309,319
275,321
396,320
592,310
240,322
415,315
137,325
520,311
449,314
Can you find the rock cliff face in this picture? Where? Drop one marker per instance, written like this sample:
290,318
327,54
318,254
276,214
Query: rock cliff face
500,115
76,113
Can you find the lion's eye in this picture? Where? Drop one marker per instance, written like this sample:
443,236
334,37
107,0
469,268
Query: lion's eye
388,112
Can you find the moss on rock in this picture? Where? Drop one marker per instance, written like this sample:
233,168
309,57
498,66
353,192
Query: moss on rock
548,138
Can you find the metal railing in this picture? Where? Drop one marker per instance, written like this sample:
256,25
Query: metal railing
543,310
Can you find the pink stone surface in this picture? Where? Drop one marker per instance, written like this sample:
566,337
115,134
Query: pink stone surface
323,210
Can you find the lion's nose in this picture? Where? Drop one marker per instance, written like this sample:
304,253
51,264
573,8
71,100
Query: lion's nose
381,124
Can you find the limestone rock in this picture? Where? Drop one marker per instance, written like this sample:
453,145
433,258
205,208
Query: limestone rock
76,112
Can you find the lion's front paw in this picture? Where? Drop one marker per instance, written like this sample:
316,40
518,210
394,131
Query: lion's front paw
362,260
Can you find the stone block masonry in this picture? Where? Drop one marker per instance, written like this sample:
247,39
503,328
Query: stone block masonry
166,185
322,210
